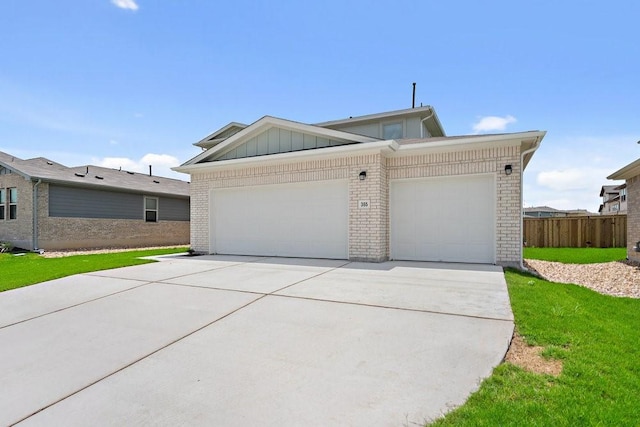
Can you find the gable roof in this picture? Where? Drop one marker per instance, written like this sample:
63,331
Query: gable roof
627,172
608,189
268,122
220,135
98,177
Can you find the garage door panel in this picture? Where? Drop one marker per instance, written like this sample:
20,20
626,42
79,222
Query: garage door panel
298,220
443,219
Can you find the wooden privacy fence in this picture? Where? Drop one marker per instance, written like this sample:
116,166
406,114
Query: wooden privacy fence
600,231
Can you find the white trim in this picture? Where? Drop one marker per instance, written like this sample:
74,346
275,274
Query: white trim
627,172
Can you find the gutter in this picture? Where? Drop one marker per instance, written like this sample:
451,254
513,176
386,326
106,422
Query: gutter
536,145
34,236
422,125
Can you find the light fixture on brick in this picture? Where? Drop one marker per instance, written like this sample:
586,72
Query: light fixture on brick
362,175
508,169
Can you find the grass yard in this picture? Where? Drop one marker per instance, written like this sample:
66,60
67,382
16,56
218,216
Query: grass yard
576,255
597,338
30,268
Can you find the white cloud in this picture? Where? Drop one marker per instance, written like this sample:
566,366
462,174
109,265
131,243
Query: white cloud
125,4
493,123
161,164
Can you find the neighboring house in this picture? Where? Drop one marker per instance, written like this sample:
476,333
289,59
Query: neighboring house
614,199
631,175
547,212
46,205
369,188
543,212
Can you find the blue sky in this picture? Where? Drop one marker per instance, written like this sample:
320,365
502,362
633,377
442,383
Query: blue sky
135,82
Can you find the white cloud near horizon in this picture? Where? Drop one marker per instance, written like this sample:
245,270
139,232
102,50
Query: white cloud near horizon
125,4
493,123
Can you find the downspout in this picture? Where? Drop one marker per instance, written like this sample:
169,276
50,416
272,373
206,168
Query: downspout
536,145
422,123
35,215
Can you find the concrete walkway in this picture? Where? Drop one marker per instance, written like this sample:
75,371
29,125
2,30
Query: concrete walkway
228,341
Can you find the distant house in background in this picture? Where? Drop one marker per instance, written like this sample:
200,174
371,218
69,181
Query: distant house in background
542,212
547,212
631,175
614,199
46,205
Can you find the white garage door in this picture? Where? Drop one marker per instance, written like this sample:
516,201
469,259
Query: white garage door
443,219
291,220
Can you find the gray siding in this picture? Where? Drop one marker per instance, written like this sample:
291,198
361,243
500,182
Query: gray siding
74,202
173,209
277,140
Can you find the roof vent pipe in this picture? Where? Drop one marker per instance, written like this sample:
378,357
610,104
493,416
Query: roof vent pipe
150,170
87,173
413,99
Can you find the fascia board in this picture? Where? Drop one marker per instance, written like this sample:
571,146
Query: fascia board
385,147
627,172
377,116
268,122
219,131
471,142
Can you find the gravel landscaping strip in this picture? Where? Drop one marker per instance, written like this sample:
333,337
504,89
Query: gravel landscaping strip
618,278
71,252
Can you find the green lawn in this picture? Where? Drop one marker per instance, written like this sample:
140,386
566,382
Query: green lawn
576,255
598,339
27,269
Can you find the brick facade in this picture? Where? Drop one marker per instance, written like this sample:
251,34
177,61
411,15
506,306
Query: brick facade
71,233
633,216
369,228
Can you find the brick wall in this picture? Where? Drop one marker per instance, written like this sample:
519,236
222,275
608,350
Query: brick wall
490,160
19,231
369,228
633,217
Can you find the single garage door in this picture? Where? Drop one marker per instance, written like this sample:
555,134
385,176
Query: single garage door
289,220
443,219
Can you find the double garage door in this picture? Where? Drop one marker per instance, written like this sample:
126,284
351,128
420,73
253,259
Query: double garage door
435,219
291,220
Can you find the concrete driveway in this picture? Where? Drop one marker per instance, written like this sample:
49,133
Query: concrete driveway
228,341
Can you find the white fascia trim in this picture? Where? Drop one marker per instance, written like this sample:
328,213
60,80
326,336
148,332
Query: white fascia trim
627,172
473,141
17,171
388,146
377,116
268,122
219,131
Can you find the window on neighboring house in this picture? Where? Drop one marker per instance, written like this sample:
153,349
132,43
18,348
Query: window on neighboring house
392,131
151,209
623,194
3,201
615,207
13,203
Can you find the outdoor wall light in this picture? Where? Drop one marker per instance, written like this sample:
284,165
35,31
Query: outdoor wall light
508,169
362,175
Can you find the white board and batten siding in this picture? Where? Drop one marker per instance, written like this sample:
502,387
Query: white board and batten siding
308,220
449,219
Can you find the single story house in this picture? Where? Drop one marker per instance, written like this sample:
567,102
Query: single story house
631,175
370,188
46,205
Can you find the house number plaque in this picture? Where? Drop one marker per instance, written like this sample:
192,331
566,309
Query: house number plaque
363,204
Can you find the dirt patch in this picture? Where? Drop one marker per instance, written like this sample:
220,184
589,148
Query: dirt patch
528,357
618,278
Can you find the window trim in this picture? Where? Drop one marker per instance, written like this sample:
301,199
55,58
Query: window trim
145,209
